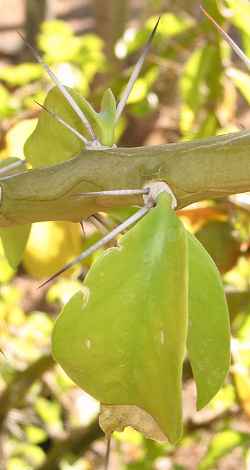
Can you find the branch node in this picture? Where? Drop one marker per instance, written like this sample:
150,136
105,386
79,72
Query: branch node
155,188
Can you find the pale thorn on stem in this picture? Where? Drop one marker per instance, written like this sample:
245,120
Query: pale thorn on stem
103,241
106,221
152,192
157,187
98,224
229,40
62,89
11,166
82,228
114,192
135,74
64,123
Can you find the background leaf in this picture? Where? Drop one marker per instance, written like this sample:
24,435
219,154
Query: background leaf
14,240
208,341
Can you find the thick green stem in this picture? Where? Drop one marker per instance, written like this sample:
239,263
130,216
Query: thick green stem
209,168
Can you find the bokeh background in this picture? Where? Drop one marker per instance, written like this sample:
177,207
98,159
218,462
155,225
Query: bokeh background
192,86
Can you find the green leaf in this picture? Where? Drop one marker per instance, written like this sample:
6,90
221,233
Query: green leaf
240,18
190,86
107,118
6,272
241,80
7,107
213,9
208,341
170,24
103,122
22,74
123,338
58,42
200,85
35,435
50,412
51,142
241,14
222,444
14,240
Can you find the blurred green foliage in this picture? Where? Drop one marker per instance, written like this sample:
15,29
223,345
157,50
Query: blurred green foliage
189,69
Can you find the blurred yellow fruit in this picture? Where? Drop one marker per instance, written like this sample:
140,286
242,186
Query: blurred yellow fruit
50,246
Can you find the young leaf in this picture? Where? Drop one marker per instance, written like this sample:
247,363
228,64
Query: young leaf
123,338
14,240
56,122
208,342
107,118
104,121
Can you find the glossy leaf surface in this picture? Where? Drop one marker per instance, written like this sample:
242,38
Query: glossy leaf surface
208,341
123,339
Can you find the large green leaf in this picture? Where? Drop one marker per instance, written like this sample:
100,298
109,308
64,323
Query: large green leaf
208,341
14,240
123,338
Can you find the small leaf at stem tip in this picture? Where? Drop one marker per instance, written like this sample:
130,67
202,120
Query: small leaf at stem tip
227,38
61,87
135,73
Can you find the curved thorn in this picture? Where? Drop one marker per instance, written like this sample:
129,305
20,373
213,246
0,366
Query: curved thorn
135,73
